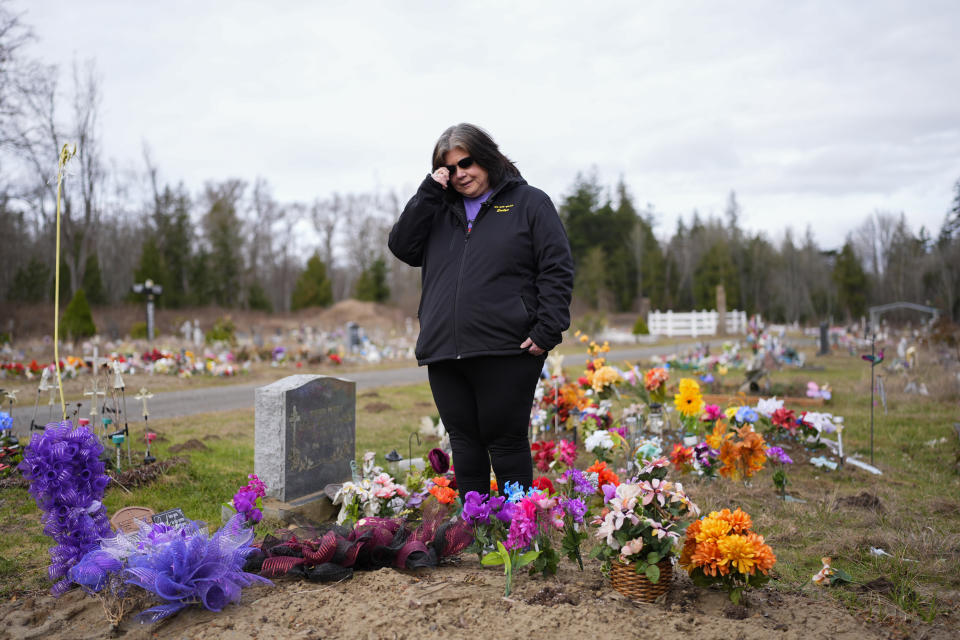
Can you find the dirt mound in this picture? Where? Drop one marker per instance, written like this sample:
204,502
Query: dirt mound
366,314
190,445
377,407
863,500
460,601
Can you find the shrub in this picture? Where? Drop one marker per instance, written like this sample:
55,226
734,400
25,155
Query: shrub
138,331
77,321
640,327
223,331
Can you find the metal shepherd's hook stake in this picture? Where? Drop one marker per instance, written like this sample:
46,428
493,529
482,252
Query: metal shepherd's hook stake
119,386
410,447
143,396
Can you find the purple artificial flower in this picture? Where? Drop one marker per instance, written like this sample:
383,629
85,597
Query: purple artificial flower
439,460
609,491
506,512
705,455
245,500
476,509
621,431
779,455
416,499
522,530
585,484
576,507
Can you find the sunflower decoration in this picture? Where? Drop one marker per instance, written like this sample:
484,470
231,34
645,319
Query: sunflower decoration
689,401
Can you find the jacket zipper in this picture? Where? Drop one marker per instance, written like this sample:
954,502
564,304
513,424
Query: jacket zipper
463,255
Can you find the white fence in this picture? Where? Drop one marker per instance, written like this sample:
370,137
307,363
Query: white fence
694,323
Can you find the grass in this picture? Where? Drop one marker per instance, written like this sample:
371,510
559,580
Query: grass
917,522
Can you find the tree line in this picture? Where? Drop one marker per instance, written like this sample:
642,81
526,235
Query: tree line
234,244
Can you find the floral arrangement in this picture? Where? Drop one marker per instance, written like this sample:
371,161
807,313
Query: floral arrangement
595,417
517,528
641,520
578,487
376,496
10,451
248,500
179,566
780,457
721,548
744,457
601,443
67,481
605,475
655,383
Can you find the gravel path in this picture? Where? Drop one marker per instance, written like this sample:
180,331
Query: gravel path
175,404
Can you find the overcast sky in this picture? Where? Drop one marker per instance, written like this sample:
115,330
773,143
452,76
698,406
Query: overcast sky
815,113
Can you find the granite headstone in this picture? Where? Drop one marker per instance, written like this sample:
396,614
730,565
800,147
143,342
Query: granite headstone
304,434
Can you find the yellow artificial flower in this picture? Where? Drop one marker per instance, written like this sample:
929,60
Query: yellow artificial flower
730,412
603,377
688,401
713,526
739,552
722,370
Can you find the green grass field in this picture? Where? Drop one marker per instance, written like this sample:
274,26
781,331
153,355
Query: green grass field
912,511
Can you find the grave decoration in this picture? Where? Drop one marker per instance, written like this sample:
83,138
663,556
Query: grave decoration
722,549
67,481
247,501
520,525
781,459
640,524
11,453
178,566
332,552
576,489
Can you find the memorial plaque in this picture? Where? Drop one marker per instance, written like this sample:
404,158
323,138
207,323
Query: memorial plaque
125,519
304,434
174,518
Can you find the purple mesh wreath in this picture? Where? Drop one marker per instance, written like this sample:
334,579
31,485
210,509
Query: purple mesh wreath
67,481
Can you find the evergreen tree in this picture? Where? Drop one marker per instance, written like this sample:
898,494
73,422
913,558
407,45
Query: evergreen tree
151,267
222,228
77,321
93,282
716,267
313,288
30,282
257,298
372,283
852,282
174,235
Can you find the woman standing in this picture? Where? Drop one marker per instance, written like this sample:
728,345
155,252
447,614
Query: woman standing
496,282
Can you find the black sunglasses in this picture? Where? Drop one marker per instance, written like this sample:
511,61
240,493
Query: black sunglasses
463,163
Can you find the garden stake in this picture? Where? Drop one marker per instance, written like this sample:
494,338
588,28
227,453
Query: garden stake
874,359
410,448
143,396
118,385
118,440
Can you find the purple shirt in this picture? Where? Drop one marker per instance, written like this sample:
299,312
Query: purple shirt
472,206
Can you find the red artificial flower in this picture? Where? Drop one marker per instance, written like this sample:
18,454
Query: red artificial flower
543,483
544,452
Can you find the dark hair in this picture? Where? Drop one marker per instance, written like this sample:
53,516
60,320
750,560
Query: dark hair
481,147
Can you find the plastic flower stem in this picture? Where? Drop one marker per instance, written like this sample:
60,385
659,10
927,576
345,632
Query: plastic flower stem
65,155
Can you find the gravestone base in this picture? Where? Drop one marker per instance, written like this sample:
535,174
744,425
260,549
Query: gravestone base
315,507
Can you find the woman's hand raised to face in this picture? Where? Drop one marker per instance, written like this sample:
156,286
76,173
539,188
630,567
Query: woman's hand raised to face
441,175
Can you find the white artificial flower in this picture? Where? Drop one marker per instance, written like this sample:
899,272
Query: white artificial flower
598,439
767,406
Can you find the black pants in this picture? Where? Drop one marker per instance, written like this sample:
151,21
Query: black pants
485,403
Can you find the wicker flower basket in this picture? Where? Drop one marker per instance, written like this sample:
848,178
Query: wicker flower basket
636,586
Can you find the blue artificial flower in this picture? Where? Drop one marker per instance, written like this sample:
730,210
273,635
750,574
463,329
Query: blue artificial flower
514,491
6,422
746,414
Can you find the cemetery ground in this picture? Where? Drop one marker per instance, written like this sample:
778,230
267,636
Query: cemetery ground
911,512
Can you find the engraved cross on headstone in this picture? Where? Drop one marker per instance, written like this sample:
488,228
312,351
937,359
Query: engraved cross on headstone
294,422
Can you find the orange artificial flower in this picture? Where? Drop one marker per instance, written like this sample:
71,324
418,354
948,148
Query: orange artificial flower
493,485
445,495
605,475
681,455
739,520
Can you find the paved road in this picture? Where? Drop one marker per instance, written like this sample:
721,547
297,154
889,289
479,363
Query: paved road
175,404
